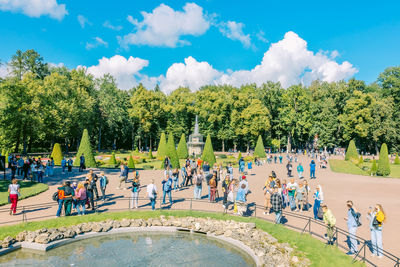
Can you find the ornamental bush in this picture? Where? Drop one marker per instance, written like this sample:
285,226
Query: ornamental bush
383,163
85,149
6,155
240,155
171,152
259,150
113,160
360,161
397,160
374,167
151,154
208,152
57,154
131,163
351,152
182,148
162,147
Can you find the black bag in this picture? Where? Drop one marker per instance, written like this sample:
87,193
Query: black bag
320,214
357,217
375,223
55,196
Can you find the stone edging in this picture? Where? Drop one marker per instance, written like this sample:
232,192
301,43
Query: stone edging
261,246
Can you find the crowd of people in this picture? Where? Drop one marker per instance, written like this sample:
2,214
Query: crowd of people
220,183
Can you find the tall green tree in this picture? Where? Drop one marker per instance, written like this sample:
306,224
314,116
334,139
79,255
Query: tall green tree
182,148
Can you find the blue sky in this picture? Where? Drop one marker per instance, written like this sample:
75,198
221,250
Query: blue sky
211,40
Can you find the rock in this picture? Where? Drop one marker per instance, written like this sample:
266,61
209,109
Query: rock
62,229
56,236
107,227
42,238
136,223
117,224
250,225
228,233
97,227
295,260
30,237
7,242
69,233
125,223
21,236
156,223
77,229
197,226
86,227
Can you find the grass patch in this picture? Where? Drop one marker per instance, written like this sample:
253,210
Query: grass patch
28,189
305,245
342,166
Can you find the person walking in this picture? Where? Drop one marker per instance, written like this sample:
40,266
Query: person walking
213,188
175,178
190,172
82,163
312,169
277,204
250,167
241,200
318,200
80,197
14,191
20,164
352,223
25,169
184,176
289,168
167,187
103,185
225,191
292,188
199,178
268,190
376,219
60,191
135,192
70,163
300,170
330,222
152,194
123,175
90,184
63,165
300,197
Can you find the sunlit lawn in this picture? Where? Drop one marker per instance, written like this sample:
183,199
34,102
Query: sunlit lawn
28,189
342,166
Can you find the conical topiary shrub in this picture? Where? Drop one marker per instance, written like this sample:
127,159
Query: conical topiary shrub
360,161
113,160
374,167
85,149
259,150
397,160
351,152
131,163
162,147
6,155
171,152
137,150
56,154
240,155
151,154
208,152
182,148
383,163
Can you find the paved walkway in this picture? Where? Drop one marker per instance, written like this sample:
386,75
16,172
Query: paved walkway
338,188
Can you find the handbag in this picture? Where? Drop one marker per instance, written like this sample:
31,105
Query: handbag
375,223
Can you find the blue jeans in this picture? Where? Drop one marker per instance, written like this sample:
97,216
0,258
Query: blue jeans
197,192
153,203
176,184
278,217
353,239
209,192
317,204
292,202
312,173
63,168
376,241
169,195
81,203
60,205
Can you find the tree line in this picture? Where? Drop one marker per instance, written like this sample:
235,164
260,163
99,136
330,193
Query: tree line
42,104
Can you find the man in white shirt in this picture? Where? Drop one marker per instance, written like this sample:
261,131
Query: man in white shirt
152,194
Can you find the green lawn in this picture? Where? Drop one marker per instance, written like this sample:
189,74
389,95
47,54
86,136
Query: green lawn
28,189
343,166
316,251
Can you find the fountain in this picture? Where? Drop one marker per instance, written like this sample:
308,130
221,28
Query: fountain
195,144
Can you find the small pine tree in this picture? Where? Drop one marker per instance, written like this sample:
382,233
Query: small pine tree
182,148
351,152
131,163
85,149
383,162
113,160
259,150
240,155
397,160
57,154
374,167
208,152
171,152
360,161
162,147
137,150
151,154
6,154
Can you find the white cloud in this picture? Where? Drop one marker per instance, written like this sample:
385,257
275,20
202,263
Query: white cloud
165,26
261,36
97,42
125,71
234,31
83,21
35,8
108,25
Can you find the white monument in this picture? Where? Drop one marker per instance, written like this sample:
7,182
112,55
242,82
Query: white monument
195,144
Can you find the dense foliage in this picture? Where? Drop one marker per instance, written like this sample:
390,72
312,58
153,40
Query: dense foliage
57,154
383,162
41,105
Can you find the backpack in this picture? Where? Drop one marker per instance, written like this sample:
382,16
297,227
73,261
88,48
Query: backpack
55,196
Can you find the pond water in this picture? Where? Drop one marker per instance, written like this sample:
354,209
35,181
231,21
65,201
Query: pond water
135,249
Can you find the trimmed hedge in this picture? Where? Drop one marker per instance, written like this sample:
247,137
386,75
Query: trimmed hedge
57,154
374,167
113,160
259,150
383,163
171,152
182,148
208,152
131,163
162,147
351,152
85,149
397,160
